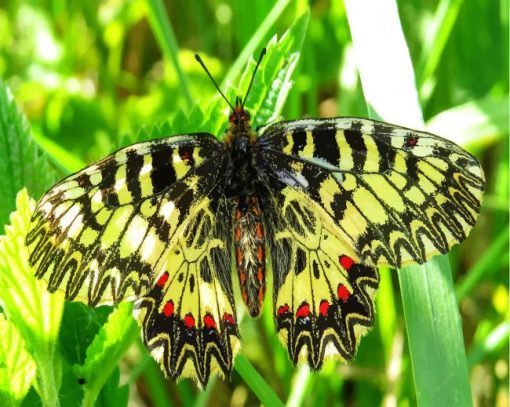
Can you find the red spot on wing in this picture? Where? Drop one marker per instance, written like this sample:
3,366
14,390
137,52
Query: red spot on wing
323,308
412,141
283,309
346,262
189,321
229,319
186,154
168,309
343,293
209,322
162,279
303,311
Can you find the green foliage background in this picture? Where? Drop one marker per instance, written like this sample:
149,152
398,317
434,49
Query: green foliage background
92,76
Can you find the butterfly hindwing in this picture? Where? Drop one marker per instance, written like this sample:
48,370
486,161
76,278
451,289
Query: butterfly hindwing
188,318
323,300
100,235
395,196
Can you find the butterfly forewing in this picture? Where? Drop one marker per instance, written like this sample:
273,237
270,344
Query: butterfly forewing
100,234
394,196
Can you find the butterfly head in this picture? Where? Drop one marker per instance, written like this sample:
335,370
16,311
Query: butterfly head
239,114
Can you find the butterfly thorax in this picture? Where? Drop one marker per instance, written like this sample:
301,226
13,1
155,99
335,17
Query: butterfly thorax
249,238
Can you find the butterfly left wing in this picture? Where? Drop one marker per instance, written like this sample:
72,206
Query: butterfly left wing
98,234
188,318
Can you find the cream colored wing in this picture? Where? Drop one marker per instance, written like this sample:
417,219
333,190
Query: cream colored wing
391,195
323,300
99,234
188,318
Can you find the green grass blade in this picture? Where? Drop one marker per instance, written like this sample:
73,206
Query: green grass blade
158,19
301,380
436,38
257,384
430,308
435,337
383,62
154,380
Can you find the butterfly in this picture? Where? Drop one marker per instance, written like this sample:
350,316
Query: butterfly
171,223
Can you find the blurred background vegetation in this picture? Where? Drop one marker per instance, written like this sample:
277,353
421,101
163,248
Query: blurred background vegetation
86,74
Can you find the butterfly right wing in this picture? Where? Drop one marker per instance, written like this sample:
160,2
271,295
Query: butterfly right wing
394,196
323,299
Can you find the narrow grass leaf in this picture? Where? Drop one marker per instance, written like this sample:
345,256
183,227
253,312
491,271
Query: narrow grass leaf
255,41
257,384
431,314
158,19
434,331
475,124
383,61
299,386
437,34
494,341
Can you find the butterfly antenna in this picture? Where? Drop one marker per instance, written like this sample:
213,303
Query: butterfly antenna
262,53
197,57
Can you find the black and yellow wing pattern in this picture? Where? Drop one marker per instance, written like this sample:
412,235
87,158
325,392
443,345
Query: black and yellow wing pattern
165,223
348,195
141,225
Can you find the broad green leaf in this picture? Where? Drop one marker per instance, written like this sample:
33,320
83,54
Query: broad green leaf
17,368
28,305
22,164
106,350
71,392
80,325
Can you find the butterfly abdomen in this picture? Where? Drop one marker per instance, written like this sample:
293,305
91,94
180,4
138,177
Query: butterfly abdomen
250,252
